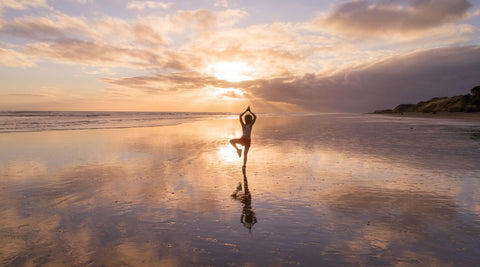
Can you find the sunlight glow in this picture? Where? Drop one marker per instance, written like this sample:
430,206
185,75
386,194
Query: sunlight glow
230,71
228,154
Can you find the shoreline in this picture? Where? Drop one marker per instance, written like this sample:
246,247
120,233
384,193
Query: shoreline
473,116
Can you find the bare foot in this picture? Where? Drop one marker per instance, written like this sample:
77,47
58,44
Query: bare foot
239,152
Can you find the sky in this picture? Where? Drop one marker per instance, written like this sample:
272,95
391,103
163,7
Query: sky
222,55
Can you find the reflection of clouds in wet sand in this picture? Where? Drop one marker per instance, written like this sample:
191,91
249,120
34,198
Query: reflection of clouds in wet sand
378,225
161,196
90,211
405,142
138,206
71,221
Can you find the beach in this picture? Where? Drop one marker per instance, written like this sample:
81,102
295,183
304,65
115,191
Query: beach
322,189
465,116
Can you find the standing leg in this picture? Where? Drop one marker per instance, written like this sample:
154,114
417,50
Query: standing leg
245,152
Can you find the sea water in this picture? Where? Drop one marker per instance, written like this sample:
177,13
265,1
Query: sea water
32,121
318,190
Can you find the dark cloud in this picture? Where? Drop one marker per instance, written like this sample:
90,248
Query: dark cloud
385,84
400,79
48,28
39,30
365,18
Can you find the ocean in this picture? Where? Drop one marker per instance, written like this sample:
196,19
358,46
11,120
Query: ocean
34,121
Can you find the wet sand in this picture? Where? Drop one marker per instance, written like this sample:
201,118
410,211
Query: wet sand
466,116
335,189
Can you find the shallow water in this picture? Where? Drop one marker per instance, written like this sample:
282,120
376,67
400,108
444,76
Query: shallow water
36,121
331,189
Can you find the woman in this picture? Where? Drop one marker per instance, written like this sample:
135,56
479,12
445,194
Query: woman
245,140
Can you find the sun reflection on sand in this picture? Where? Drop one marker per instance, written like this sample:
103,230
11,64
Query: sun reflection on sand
228,154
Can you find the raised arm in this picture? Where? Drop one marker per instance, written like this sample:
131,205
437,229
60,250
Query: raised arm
241,116
253,114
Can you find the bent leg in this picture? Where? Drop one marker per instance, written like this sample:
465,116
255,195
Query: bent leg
234,143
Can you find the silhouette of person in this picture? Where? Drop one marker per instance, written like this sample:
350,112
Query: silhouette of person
248,218
245,140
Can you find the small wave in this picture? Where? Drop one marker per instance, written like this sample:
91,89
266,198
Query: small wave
33,121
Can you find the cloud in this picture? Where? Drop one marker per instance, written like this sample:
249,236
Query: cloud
384,84
203,19
81,1
400,79
103,41
170,82
141,5
221,3
292,65
230,94
108,40
90,53
30,95
474,13
270,49
56,26
97,70
21,4
116,92
12,58
364,18
156,41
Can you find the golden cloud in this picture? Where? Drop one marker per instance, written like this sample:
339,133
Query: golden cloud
141,5
12,58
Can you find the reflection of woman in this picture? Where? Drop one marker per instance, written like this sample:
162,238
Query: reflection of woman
248,218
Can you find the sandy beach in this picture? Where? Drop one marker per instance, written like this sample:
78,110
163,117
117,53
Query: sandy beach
465,116
329,189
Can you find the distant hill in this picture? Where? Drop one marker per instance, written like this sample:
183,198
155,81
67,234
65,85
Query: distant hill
460,103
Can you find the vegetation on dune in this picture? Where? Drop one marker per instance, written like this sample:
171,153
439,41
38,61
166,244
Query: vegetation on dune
460,103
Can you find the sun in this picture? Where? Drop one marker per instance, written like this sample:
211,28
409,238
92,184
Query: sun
235,71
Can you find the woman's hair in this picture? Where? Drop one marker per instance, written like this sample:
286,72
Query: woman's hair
248,119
